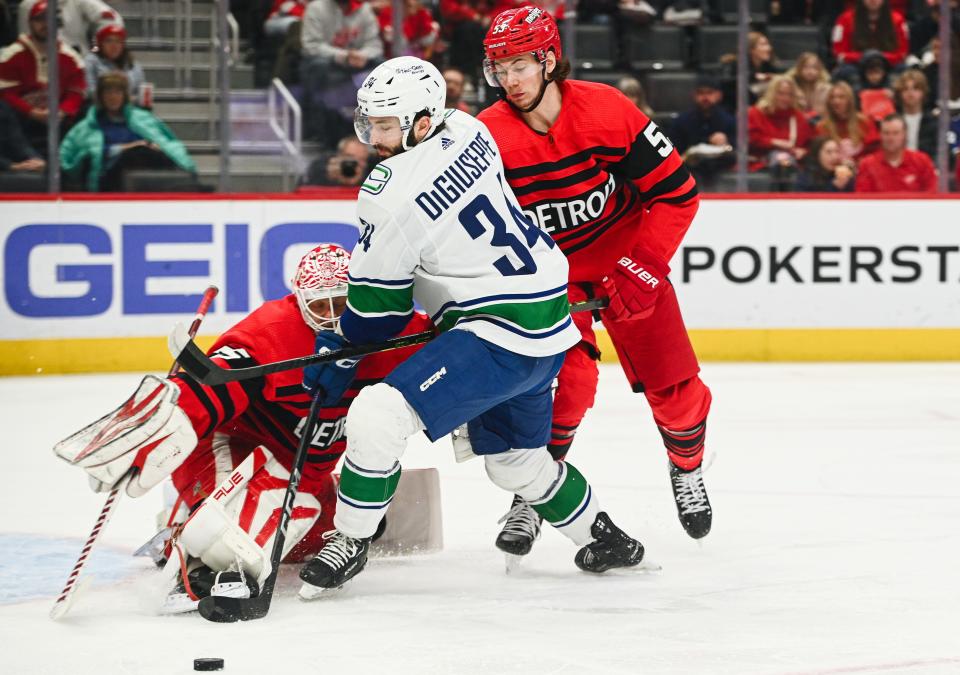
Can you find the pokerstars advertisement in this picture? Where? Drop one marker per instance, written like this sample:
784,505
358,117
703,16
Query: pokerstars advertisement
819,263
79,269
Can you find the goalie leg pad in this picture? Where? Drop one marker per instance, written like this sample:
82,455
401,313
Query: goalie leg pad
148,432
237,524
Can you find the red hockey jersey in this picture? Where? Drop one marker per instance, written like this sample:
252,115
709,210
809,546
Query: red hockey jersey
602,180
271,410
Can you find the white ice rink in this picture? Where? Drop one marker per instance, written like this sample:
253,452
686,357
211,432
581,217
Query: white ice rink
835,548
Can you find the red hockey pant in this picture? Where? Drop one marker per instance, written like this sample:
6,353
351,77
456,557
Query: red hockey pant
658,360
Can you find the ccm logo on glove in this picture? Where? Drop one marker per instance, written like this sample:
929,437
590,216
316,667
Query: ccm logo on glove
637,269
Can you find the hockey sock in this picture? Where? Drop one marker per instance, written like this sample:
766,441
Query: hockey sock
363,498
685,448
569,505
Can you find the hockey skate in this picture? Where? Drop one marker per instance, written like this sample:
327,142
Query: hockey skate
203,583
610,548
693,507
340,559
521,528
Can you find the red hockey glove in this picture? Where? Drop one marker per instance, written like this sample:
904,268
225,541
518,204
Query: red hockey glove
635,285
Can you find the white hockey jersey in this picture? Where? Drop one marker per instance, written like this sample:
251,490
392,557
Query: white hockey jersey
440,225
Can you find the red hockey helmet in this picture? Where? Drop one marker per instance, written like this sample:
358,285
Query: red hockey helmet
514,32
321,275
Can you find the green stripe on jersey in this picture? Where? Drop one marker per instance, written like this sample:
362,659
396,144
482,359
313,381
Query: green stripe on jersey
368,489
531,316
566,500
367,300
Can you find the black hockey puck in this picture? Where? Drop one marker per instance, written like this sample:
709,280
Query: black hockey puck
208,664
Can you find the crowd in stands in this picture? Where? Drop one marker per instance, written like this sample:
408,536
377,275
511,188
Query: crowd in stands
830,119
102,105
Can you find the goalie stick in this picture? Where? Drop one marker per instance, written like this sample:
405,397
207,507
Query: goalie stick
205,371
221,609
65,600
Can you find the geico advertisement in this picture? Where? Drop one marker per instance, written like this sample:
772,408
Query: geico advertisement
100,269
103,269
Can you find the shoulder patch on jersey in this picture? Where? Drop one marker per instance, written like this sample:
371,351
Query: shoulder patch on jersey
446,142
377,180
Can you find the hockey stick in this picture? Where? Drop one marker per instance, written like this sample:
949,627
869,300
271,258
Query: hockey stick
204,370
221,609
65,600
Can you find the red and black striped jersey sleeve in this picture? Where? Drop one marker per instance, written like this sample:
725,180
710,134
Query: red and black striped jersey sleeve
667,190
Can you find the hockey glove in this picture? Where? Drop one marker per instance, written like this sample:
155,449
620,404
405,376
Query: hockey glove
332,377
149,433
635,285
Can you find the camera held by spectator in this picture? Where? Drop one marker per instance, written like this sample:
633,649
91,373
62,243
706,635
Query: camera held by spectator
345,168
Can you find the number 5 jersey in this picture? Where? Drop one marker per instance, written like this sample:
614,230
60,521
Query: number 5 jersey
440,226
602,179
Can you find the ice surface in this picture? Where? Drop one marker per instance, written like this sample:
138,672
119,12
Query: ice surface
835,548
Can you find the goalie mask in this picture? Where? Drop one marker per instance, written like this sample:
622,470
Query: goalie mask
402,87
321,277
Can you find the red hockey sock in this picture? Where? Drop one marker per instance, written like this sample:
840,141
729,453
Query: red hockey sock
680,412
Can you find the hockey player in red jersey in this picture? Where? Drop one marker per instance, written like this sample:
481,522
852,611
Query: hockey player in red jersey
590,168
229,448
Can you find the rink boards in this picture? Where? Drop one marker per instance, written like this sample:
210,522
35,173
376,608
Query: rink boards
95,285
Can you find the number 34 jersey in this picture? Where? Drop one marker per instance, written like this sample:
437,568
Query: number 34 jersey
440,226
602,180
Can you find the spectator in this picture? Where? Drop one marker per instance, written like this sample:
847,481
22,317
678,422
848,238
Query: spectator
813,82
111,55
341,44
464,24
8,27
633,90
823,169
931,66
894,168
455,84
763,68
23,81
854,132
420,31
871,24
779,132
283,14
347,167
115,137
81,19
16,153
911,94
876,96
705,134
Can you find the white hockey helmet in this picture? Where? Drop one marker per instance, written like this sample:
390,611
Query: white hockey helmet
321,275
401,88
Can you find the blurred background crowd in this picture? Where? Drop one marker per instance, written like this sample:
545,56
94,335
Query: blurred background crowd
843,95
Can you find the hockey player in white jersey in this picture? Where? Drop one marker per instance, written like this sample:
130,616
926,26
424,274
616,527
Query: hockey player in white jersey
439,225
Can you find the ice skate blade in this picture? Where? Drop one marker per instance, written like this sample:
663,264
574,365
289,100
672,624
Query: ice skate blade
512,562
644,567
309,592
